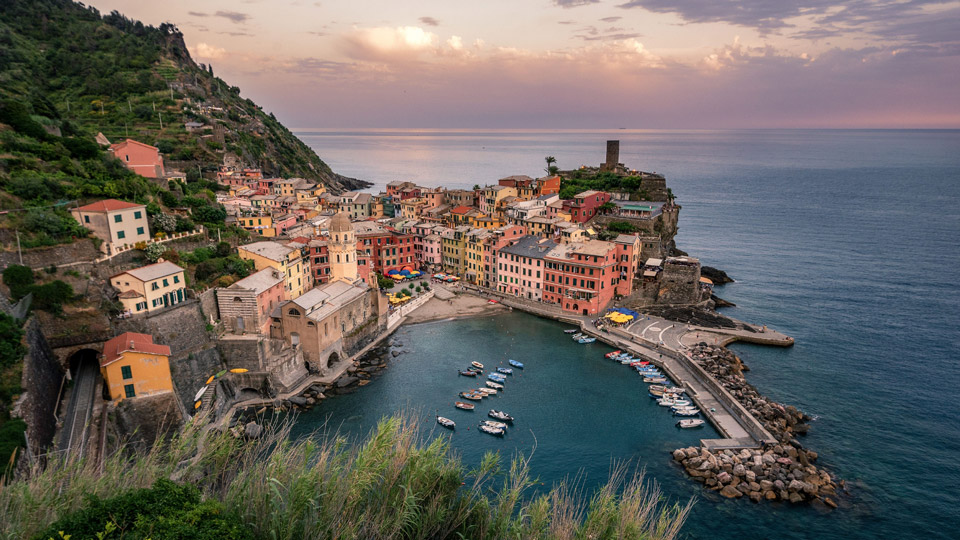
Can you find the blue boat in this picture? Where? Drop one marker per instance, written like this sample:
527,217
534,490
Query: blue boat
586,340
505,370
514,363
496,377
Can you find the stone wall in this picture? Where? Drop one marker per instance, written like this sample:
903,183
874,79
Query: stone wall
80,250
41,383
209,305
679,284
191,371
655,186
182,327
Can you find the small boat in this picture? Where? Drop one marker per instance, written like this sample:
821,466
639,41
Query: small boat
505,370
210,380
496,377
570,331
221,373
611,355
472,396
487,391
654,380
586,340
500,415
467,373
687,412
464,406
446,422
491,430
577,336
199,393
627,361
659,387
477,365
690,423
495,386
665,402
491,423
681,403
514,363
656,394
238,370
197,404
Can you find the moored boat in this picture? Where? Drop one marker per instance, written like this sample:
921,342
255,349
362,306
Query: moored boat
487,391
505,370
584,340
514,363
477,365
690,423
474,397
681,403
654,380
467,373
491,423
577,336
495,386
570,331
611,355
500,415
491,430
464,406
686,412
446,422
665,402
496,377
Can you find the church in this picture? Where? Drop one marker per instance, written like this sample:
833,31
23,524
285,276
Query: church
333,321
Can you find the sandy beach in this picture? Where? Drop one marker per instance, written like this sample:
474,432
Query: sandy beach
446,305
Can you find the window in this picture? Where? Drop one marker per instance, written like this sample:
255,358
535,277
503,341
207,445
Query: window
176,279
126,372
154,286
86,219
118,218
165,282
137,215
139,230
121,234
129,391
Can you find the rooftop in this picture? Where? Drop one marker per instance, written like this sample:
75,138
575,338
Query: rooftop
321,302
108,205
114,348
270,250
259,281
153,271
530,246
596,248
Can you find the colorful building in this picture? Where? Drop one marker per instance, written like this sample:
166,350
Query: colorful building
261,225
521,267
585,204
288,260
245,306
140,158
132,366
117,223
150,288
581,278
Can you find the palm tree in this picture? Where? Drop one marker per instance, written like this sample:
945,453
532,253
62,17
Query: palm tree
550,164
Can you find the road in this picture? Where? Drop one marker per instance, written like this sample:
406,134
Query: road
73,434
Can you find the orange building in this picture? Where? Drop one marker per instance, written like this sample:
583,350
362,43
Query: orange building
140,158
132,365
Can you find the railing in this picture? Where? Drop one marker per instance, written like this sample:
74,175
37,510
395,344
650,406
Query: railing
113,251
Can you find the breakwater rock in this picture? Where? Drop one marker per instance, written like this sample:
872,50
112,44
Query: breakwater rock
717,276
784,471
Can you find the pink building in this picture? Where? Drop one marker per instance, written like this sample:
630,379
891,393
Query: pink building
628,261
581,277
521,267
283,222
430,251
584,205
500,237
245,306
140,158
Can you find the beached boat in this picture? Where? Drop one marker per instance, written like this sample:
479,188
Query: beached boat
514,363
500,415
584,340
491,430
491,423
495,386
477,365
238,370
200,393
690,423
467,373
470,395
570,331
611,355
464,406
505,370
446,422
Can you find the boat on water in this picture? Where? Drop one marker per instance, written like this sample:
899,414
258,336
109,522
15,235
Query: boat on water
654,380
577,336
686,412
491,423
464,406
505,370
570,331
500,415
446,422
586,340
467,373
639,363
497,377
477,365
627,361
612,355
688,423
495,386
681,402
472,396
487,391
665,402
514,363
491,430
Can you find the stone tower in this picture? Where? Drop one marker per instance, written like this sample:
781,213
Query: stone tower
613,156
342,249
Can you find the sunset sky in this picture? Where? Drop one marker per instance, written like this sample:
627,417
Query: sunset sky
580,63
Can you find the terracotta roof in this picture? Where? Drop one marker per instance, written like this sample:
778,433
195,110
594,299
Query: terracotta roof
153,271
130,341
461,210
114,146
108,205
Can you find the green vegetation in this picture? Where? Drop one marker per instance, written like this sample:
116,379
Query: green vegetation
621,227
11,354
394,484
604,181
552,168
384,282
48,296
216,265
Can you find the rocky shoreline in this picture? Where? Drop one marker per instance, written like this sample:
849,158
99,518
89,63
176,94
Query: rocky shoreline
784,471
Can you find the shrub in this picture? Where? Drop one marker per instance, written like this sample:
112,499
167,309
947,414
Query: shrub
621,227
19,279
11,345
164,222
384,282
223,249
154,251
51,296
11,439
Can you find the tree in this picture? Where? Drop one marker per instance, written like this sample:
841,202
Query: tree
621,227
607,207
476,187
18,279
384,282
164,222
551,161
153,251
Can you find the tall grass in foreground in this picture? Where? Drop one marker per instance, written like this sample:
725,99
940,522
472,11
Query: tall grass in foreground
395,484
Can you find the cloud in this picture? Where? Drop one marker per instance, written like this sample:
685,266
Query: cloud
197,14
233,16
573,3
610,19
592,33
236,34
384,43
566,22
210,52
429,21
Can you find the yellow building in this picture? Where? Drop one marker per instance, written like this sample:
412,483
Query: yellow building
150,288
289,261
473,256
259,225
132,365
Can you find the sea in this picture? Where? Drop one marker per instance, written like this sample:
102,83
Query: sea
847,240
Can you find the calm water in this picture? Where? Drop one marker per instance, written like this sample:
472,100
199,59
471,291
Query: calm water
847,240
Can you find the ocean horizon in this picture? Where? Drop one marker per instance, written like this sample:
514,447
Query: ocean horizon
844,239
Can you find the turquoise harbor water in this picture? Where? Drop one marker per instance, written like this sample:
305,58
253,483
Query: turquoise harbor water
846,240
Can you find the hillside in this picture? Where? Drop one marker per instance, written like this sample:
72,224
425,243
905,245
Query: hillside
67,73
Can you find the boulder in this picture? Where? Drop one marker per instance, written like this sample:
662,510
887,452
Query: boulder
311,401
252,430
795,485
768,459
724,477
739,470
829,502
796,498
679,455
750,476
731,492
345,381
756,496
770,495
766,485
299,401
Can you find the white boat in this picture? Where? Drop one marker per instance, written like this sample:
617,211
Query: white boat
487,391
491,430
505,370
585,339
665,402
491,423
681,403
690,423
500,415
577,336
495,386
446,422
570,331
477,365
654,379
687,412
199,393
